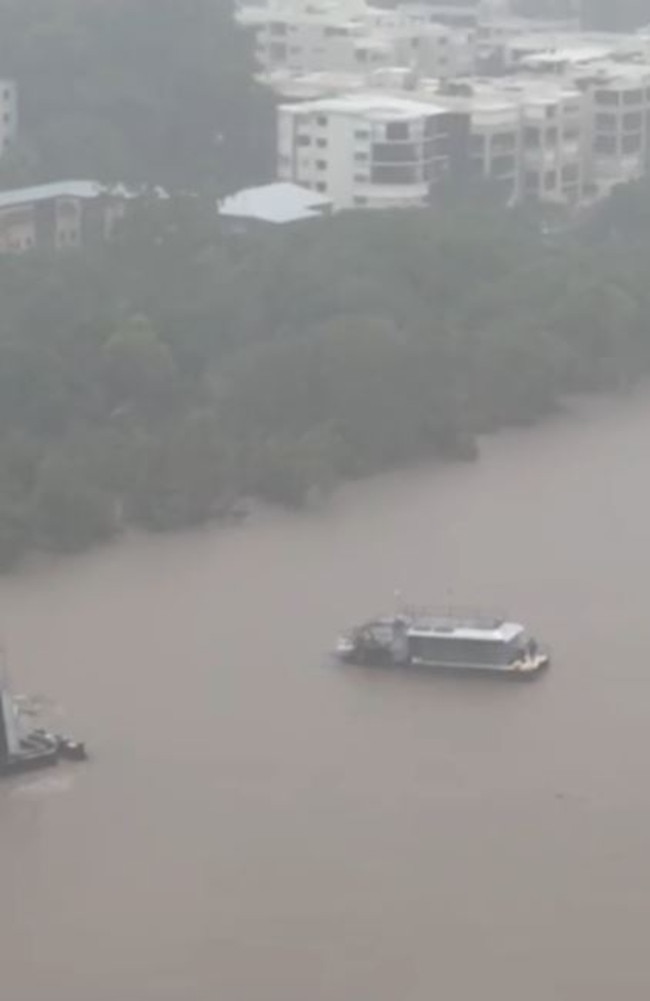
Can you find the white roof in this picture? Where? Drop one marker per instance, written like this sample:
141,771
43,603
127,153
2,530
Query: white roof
458,629
375,106
275,203
59,189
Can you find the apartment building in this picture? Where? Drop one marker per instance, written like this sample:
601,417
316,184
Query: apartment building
485,137
8,114
553,121
618,124
364,150
350,35
613,79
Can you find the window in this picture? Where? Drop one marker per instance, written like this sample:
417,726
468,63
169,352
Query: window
397,130
550,180
569,174
531,138
605,144
631,144
632,96
430,149
360,157
551,135
440,650
321,165
361,134
607,97
321,120
360,201
361,56
304,141
321,143
571,134
503,142
394,175
632,121
321,186
606,123
334,32
551,112
361,178
6,118
277,28
392,153
278,51
503,165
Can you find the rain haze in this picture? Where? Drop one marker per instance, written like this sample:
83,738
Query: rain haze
313,314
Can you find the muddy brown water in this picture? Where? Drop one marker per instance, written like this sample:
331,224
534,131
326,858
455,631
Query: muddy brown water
259,825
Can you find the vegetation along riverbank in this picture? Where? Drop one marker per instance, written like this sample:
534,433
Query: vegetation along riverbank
157,379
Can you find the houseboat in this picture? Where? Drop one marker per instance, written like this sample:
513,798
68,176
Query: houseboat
447,641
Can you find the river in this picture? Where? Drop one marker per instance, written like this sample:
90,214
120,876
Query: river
259,825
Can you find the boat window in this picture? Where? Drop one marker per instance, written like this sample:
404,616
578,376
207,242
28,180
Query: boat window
443,650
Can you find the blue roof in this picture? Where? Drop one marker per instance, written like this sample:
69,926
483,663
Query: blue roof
281,202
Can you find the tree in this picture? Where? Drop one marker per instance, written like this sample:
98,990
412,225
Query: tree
139,91
139,370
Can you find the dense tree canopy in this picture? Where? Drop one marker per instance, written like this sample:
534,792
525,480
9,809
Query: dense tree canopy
145,91
157,379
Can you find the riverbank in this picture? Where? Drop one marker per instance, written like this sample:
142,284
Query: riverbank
183,369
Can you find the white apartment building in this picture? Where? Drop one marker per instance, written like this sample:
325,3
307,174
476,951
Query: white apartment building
528,137
485,136
615,90
364,150
351,35
619,123
554,142
8,114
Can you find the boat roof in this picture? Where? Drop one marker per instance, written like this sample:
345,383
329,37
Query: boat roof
485,629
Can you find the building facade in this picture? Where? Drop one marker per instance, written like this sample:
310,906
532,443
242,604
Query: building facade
62,216
8,114
364,151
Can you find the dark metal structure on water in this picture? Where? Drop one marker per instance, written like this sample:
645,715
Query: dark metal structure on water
24,749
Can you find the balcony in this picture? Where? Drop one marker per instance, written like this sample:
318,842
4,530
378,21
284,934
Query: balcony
393,194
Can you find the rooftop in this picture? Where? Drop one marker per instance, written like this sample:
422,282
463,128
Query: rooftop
59,189
275,203
488,630
375,106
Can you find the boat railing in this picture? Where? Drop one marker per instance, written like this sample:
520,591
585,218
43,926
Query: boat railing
478,617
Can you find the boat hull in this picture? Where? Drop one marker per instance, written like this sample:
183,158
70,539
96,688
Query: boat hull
34,753
515,673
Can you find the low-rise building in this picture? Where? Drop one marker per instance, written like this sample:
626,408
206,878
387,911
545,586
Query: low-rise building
277,204
60,216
